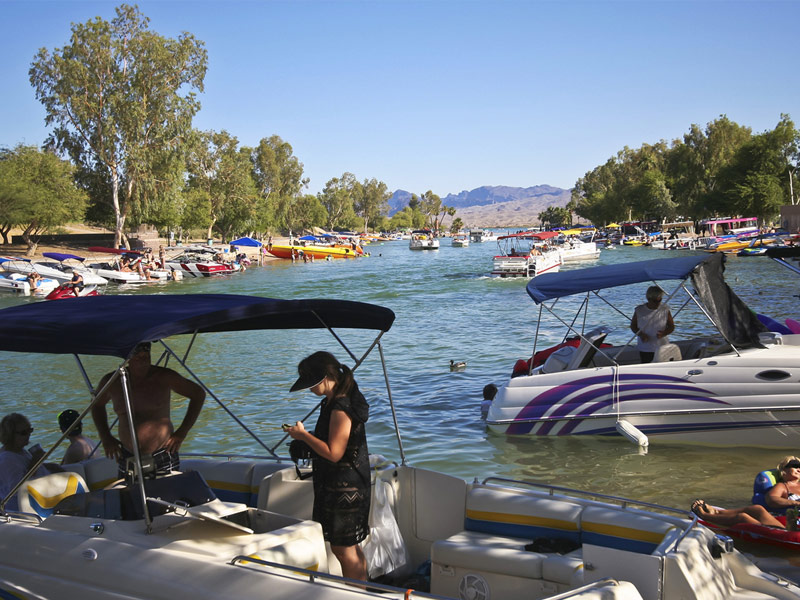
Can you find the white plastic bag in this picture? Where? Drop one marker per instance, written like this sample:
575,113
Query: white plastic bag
384,548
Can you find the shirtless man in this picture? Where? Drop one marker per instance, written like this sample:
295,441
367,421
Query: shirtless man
150,388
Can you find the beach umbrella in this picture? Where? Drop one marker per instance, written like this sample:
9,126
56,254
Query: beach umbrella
310,238
613,225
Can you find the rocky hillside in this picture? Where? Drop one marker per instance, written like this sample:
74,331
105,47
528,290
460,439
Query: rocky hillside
496,206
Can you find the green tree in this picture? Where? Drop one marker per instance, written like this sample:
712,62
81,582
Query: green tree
693,166
37,193
121,98
309,212
430,205
555,216
338,198
221,175
279,178
457,225
371,201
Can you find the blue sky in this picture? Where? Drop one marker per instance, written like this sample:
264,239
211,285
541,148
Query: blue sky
450,95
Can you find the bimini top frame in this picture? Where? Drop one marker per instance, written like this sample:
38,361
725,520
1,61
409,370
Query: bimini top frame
72,328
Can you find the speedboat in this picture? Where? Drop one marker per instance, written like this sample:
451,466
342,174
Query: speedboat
241,527
574,249
460,241
739,386
527,254
423,239
17,277
113,270
200,261
67,264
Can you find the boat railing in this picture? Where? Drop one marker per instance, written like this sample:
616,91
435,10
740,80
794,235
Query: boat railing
624,503
314,575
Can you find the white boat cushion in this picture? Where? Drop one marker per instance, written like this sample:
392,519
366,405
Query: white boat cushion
486,552
41,495
622,529
518,514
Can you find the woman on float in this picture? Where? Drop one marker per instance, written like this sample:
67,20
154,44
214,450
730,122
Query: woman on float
784,494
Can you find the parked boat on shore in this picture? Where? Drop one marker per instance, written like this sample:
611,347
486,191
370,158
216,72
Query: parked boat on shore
237,526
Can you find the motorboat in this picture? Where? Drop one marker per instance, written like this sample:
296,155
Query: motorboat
318,248
460,241
114,270
15,285
573,248
527,254
241,527
423,239
25,267
736,386
18,277
199,261
69,263
477,235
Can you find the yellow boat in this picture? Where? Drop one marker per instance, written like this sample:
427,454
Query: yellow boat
286,251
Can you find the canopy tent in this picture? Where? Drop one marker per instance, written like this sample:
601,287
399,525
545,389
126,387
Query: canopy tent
555,285
101,325
530,235
247,241
309,238
613,225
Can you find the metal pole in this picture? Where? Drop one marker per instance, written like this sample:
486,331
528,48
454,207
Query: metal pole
135,443
391,405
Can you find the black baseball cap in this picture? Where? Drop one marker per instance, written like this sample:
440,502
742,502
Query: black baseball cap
67,418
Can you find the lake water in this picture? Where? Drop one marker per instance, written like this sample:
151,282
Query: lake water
446,307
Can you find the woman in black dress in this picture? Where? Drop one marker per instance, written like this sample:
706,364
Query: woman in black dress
341,463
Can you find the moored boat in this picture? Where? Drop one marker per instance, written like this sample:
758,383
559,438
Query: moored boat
297,251
738,387
233,527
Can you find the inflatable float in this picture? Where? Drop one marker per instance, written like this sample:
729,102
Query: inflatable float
762,534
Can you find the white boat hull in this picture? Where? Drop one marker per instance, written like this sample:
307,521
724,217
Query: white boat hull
577,250
752,399
475,536
427,244
526,266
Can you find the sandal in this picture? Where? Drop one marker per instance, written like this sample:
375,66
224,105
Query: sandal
700,504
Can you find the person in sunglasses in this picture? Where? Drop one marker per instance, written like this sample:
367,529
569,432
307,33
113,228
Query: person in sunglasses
783,495
15,460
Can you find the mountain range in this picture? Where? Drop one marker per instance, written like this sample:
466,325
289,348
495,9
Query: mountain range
495,206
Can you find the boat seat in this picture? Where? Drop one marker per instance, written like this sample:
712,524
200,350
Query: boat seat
100,472
588,347
558,360
284,493
40,496
697,349
621,529
667,353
